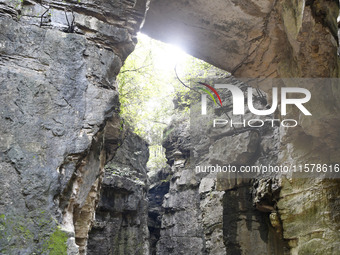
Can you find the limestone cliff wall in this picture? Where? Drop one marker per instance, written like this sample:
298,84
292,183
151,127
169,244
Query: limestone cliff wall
275,39
59,124
209,213
120,225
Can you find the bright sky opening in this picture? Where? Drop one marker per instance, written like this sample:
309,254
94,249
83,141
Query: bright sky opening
168,56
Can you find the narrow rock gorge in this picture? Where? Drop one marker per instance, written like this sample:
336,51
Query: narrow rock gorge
73,176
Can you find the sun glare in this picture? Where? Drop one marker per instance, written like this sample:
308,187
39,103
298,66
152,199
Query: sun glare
169,56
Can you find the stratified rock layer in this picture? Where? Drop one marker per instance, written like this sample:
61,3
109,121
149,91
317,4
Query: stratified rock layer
120,225
275,39
159,187
57,83
251,38
209,213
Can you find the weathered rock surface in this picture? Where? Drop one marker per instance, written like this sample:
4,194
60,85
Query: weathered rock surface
204,214
159,187
264,38
272,214
181,230
275,39
57,92
120,225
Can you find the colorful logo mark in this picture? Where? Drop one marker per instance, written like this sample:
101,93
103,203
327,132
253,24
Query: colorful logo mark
209,93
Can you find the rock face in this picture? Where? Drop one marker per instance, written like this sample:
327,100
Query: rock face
160,182
120,225
57,93
181,230
204,214
224,33
263,38
275,39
